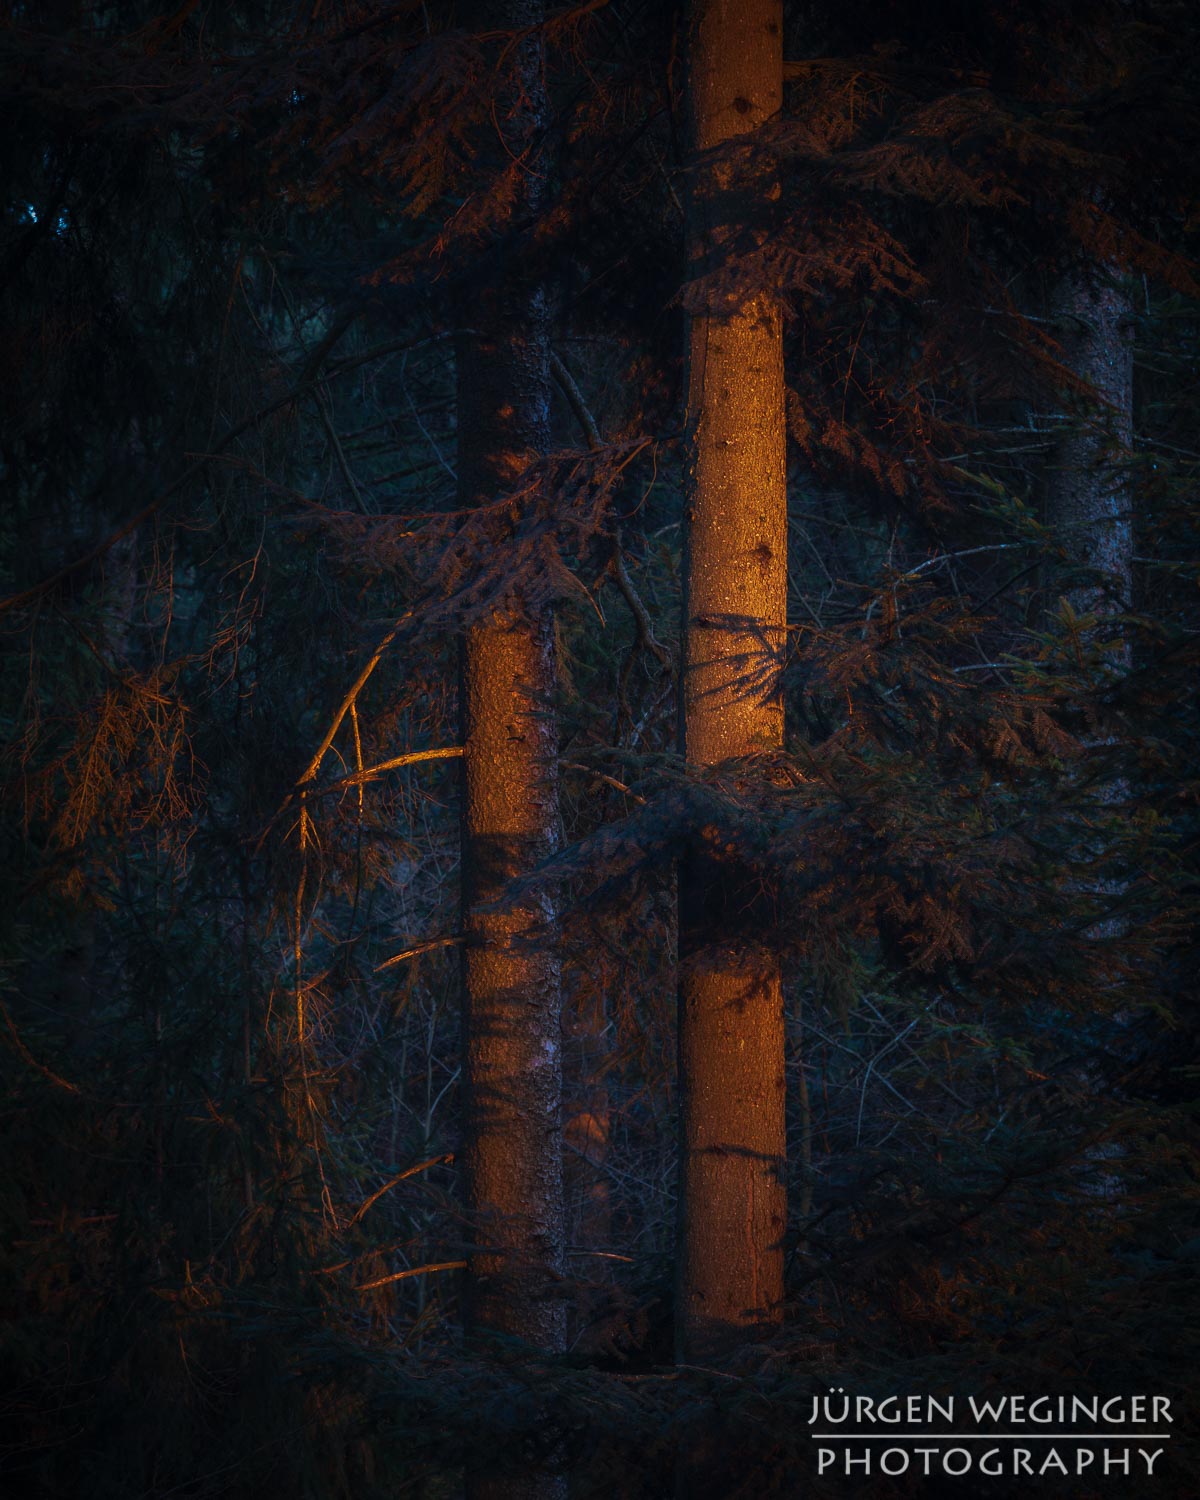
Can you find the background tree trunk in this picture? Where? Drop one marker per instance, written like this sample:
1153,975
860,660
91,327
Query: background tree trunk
1090,509
731,1034
1088,497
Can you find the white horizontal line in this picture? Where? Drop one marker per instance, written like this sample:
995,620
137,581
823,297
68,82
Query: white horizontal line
987,1437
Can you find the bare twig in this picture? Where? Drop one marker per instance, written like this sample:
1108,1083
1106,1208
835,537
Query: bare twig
28,1056
641,616
441,1265
357,686
566,383
574,765
433,1161
371,773
428,947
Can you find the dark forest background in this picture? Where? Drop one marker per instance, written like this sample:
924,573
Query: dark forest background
242,247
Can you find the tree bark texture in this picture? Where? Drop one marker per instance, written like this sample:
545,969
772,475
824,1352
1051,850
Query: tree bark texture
731,1034
1089,506
587,1131
1089,501
511,1154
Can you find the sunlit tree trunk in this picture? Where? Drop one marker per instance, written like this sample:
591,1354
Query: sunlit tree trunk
511,1155
731,1032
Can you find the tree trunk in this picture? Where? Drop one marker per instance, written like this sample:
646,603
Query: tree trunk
1089,508
587,1132
731,1033
511,1154
1089,502
511,1157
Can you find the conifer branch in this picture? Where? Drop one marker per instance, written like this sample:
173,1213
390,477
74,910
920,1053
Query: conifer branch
306,383
591,431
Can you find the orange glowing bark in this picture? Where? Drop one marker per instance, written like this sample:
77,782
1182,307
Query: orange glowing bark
511,1153
731,1033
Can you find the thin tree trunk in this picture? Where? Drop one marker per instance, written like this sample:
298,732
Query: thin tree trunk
1089,506
511,1155
1089,503
587,1131
1089,500
587,1128
731,1032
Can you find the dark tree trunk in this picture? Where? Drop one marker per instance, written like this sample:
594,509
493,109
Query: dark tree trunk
1089,508
1089,501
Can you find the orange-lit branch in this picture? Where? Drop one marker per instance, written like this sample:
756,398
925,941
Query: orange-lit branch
419,948
441,1265
359,683
360,778
433,1161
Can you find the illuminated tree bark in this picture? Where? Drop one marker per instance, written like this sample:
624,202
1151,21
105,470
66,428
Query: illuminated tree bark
731,1033
511,1155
